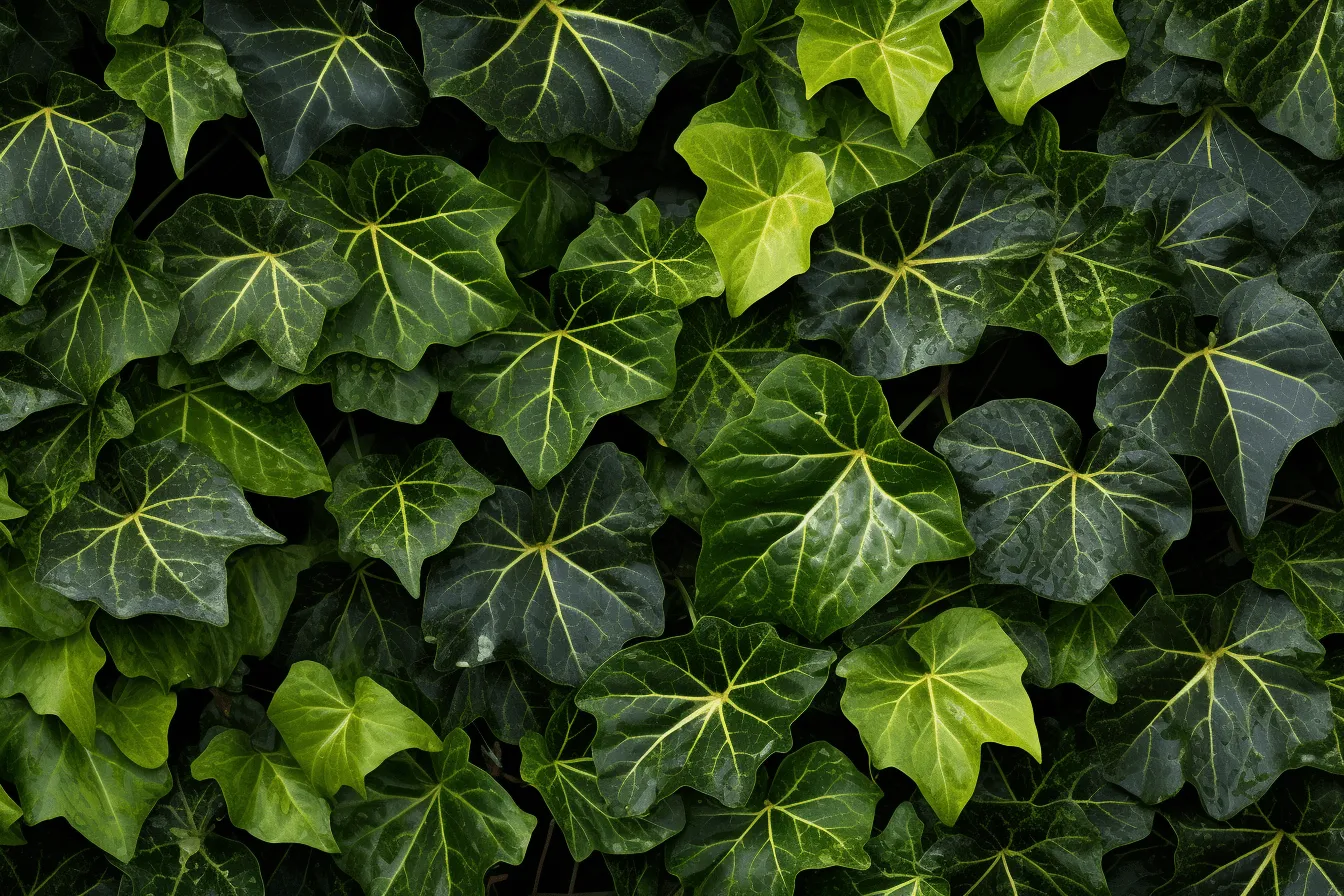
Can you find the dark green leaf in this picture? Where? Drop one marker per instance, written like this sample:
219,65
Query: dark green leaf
553,206
860,149
372,384
1313,263
59,449
896,868
1155,75
680,489
1307,563
44,869
509,695
1081,636
26,254
27,387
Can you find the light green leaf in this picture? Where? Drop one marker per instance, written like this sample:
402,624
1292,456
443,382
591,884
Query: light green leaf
404,511
251,269
55,676
137,718
860,149
1238,398
28,606
562,577
11,834
60,448
154,537
560,765
77,140
668,258
267,447
553,206
926,705
267,793
816,813
701,710
1051,518
337,735
1081,635
1307,563
601,344
820,505
420,233
541,71
431,827
26,254
177,73
129,16
1032,48
895,48
1214,691
897,276
310,68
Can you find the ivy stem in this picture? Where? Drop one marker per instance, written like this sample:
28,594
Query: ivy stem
686,598
354,437
939,393
573,879
541,862
168,190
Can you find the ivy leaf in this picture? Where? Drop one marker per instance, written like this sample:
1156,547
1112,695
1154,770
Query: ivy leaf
668,258
128,16
26,254
420,233
860,149
540,71
1153,74
179,852
560,765
152,538
1313,263
553,205
136,717
372,384
80,872
1287,842
701,710
1282,61
1032,49
339,735
27,606
26,387
1051,518
816,813
267,447
896,869
510,696
763,199
104,312
80,142
55,676
562,577
911,716
1307,563
1214,691
721,361
1238,398
404,511
9,510
820,505
1081,636
431,827
179,76
103,795
897,275
310,68
601,344
251,269
680,490
59,448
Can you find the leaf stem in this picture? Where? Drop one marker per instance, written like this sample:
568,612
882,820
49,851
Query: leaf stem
168,190
686,598
939,393
541,862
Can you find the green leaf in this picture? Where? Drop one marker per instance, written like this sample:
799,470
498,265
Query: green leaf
1081,635
1101,261
667,257
420,233
267,447
562,577
701,710
1153,74
339,735
11,833
1313,263
404,511
9,510
1238,398
1288,842
26,254
28,606
433,827
310,68
177,73
82,871
817,812
152,536
820,505
1051,518
59,449
895,48
541,71
103,795
77,140
510,696
268,793
55,676
680,490
560,765
179,852
372,384
1281,59
1213,691
896,868
600,345
926,704
137,718
860,149
26,387
553,205
897,275
251,269
1033,48
762,199
1307,563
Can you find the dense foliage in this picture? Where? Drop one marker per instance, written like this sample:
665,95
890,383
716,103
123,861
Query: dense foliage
891,447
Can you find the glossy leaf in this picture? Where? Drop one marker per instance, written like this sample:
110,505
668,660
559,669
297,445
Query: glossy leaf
1307,563
26,254
136,717
28,606
1313,263
1154,74
26,387
1081,636
819,464
861,150
372,384
896,868
510,696
60,448
553,206
56,676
